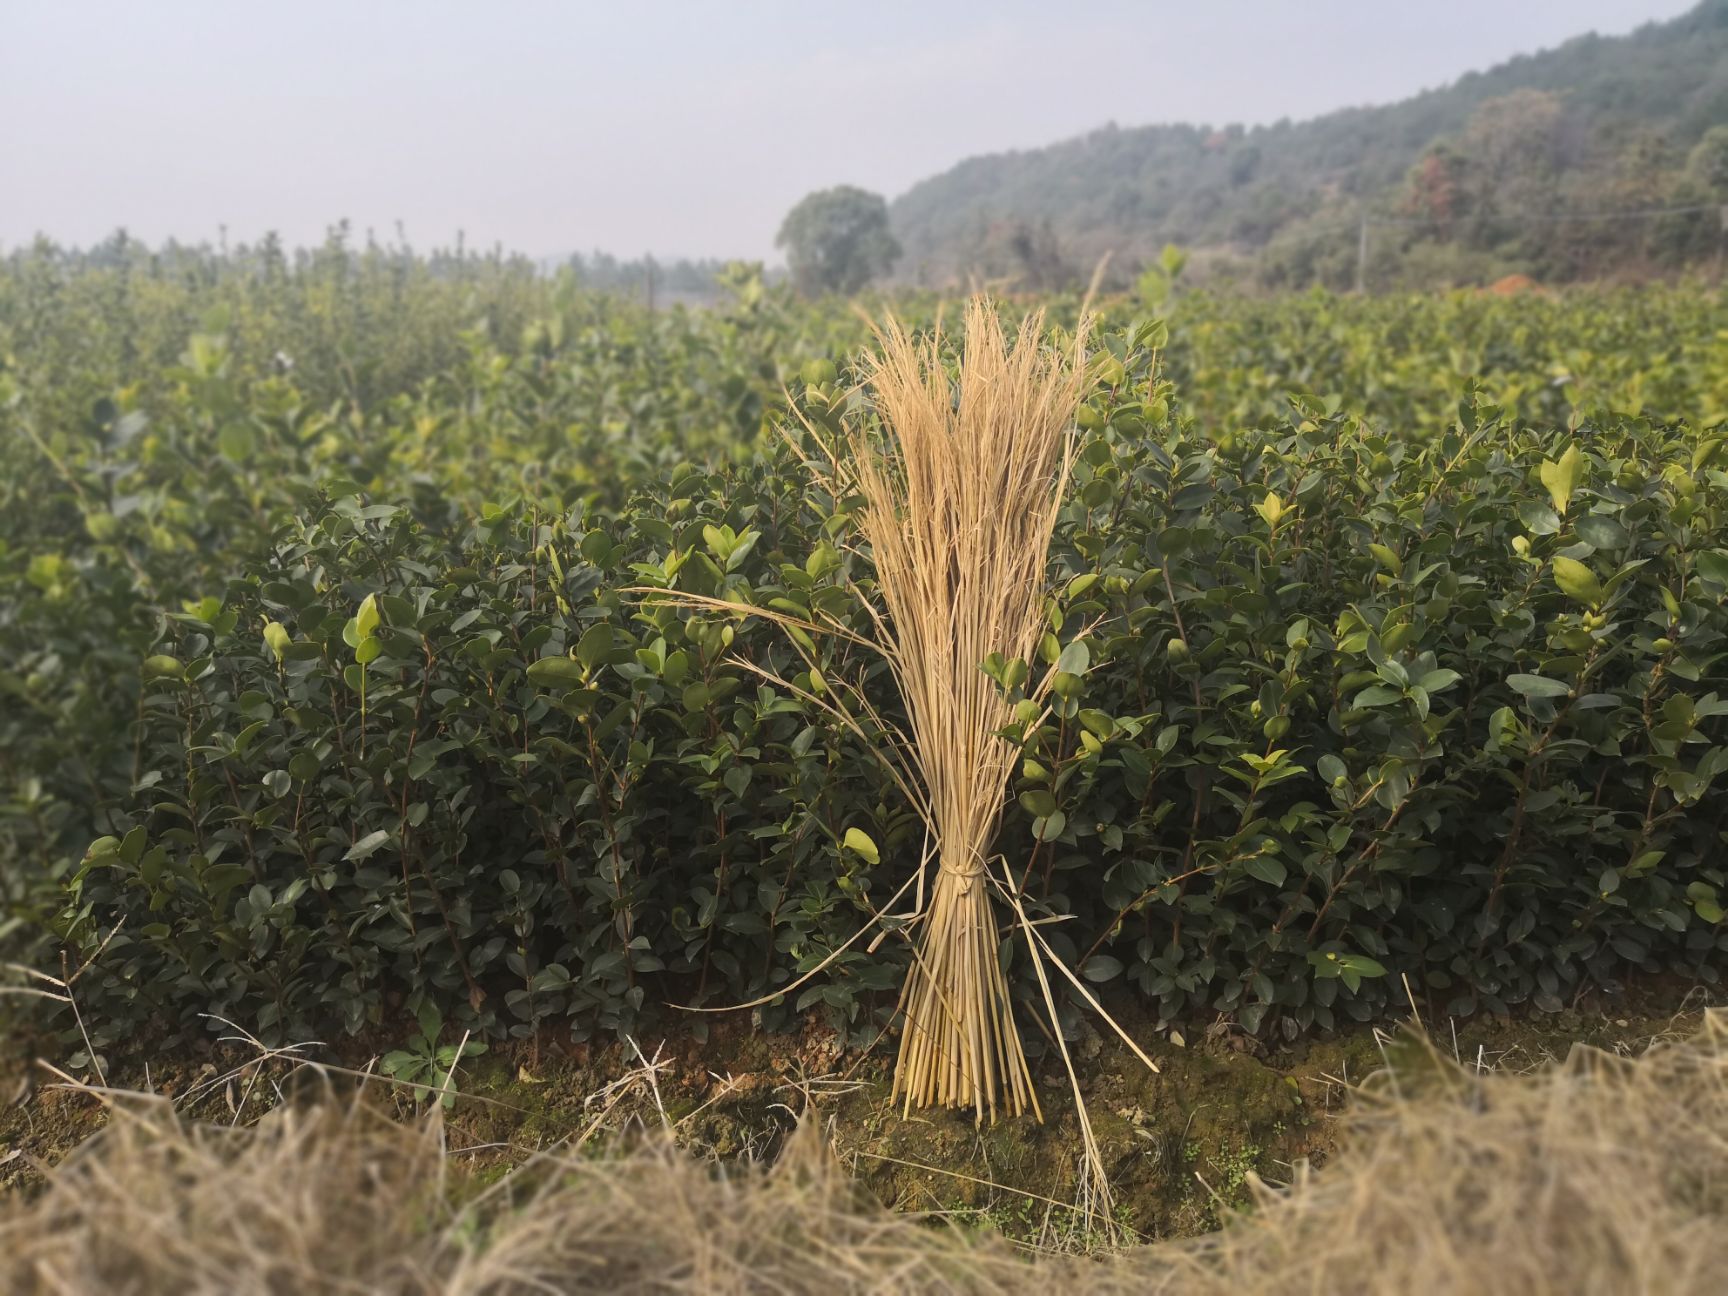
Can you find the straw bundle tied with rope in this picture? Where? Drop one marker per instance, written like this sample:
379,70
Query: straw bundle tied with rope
958,481
961,494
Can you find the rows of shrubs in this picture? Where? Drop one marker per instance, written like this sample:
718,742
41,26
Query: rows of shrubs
302,733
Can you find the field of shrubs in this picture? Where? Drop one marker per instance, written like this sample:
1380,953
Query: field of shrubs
1391,634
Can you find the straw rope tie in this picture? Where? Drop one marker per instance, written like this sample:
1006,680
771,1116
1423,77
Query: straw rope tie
967,876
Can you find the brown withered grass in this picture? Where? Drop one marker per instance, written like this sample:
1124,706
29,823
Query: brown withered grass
1602,1175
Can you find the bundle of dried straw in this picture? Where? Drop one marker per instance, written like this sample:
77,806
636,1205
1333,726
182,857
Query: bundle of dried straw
962,484
959,481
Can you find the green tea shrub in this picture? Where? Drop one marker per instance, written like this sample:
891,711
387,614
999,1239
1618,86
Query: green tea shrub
1543,358
141,479
352,702
380,769
1352,708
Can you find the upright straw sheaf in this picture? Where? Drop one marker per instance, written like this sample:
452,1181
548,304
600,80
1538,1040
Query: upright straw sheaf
960,480
961,492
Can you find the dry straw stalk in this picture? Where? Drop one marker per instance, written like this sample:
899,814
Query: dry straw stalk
962,483
958,484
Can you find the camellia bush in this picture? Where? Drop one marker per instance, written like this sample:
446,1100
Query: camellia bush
346,713
1543,358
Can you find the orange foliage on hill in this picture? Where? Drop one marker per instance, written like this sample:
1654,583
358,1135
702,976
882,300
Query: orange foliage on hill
1512,285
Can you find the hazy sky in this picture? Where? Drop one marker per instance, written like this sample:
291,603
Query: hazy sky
677,128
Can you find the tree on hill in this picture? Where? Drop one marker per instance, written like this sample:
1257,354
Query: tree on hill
1708,161
837,240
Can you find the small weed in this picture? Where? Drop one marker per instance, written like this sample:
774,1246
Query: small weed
428,1065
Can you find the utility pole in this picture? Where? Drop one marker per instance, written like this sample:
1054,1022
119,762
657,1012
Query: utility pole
1362,256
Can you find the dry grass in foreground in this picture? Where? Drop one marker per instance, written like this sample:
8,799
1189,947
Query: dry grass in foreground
1600,1175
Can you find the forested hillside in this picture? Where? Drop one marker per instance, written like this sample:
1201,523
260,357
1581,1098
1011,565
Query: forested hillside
1504,170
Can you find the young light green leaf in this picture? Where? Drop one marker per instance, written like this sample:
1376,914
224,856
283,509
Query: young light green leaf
162,666
1271,508
858,842
1562,477
277,637
367,619
1577,580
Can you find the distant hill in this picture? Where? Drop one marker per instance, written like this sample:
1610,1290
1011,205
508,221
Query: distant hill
1599,123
